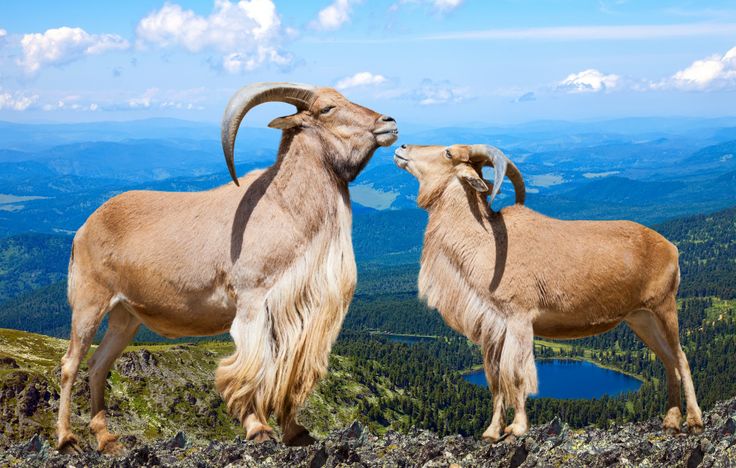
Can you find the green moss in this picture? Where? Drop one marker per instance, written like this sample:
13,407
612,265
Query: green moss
175,391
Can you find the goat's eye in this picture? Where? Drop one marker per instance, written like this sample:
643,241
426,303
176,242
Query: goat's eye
326,110
448,155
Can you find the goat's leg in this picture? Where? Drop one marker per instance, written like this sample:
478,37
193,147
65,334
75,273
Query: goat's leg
491,357
295,434
89,305
498,422
650,330
256,429
518,374
294,390
245,379
121,328
667,313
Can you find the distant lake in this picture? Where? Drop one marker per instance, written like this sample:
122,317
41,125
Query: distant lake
570,379
408,339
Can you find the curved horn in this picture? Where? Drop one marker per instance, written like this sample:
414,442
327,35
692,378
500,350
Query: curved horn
248,97
502,166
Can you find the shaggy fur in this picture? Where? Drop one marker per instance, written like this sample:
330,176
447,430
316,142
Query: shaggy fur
270,260
501,278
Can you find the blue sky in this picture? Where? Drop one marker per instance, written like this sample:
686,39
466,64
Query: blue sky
435,62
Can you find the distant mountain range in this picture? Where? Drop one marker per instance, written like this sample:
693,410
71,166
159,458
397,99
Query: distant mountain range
649,170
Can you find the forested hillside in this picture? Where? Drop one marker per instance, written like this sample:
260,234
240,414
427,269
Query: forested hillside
707,245
31,261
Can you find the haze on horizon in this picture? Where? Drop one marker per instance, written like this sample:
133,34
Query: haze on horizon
428,62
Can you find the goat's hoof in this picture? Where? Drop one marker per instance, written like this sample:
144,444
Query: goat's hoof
69,445
515,429
493,435
695,430
264,435
111,447
671,428
695,427
672,421
302,439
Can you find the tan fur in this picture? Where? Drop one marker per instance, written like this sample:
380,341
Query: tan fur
271,261
501,278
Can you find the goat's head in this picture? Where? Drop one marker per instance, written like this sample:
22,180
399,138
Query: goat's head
348,133
437,166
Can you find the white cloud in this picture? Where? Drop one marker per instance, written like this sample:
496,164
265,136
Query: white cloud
3,33
440,6
145,100
16,101
334,15
360,79
63,45
439,92
155,98
125,101
446,5
588,81
715,72
70,103
246,33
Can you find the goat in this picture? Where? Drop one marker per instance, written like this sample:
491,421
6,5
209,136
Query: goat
268,257
500,278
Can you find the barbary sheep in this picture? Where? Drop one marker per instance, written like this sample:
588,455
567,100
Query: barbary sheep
268,257
500,278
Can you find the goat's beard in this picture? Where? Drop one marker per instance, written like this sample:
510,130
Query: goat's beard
348,166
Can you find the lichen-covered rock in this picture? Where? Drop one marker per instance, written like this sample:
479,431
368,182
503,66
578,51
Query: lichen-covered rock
553,444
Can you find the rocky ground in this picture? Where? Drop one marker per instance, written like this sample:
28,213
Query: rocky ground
554,444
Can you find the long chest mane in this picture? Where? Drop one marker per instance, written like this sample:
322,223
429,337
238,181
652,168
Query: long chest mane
444,284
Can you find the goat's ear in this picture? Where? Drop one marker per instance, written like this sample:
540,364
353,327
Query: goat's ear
288,121
470,176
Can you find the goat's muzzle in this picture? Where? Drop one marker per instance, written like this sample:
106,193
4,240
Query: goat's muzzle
386,131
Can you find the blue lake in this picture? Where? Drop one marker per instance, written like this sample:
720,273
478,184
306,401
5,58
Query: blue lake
569,379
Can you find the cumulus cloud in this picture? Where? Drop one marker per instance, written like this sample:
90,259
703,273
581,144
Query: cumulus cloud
3,33
16,101
438,92
63,45
246,33
715,72
360,79
589,81
334,15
